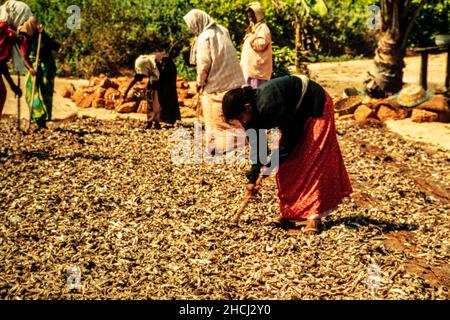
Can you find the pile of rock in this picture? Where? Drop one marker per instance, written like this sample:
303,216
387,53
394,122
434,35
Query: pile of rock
103,92
374,112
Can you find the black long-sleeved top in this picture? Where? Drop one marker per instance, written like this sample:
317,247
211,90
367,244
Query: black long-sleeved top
276,106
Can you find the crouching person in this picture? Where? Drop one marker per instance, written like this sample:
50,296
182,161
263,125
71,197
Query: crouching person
162,97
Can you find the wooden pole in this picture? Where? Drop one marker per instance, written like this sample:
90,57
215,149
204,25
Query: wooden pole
18,101
447,78
424,70
246,201
199,103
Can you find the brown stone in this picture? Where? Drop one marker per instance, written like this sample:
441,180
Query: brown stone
105,83
348,105
387,113
99,93
114,85
389,102
93,82
89,90
67,92
127,107
137,93
363,113
110,105
189,95
86,102
187,112
112,94
438,104
142,107
183,94
77,97
98,103
424,116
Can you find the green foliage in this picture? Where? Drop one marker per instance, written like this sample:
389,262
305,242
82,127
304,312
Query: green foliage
283,58
184,69
114,32
344,29
438,13
233,16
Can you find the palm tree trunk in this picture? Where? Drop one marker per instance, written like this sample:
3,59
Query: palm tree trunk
389,64
300,65
396,27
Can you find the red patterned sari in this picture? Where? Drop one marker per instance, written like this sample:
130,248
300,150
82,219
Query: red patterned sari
313,180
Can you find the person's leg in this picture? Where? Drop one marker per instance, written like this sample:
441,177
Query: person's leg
150,112
156,110
47,90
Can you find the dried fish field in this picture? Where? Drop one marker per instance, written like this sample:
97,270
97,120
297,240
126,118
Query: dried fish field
105,197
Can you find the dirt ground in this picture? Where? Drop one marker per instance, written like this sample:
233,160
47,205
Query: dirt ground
102,201
97,210
334,76
337,76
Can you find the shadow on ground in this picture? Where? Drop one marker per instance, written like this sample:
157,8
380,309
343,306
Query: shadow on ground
359,221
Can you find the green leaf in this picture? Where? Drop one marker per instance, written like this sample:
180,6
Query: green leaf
319,7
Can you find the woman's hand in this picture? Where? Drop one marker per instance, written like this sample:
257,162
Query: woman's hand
32,72
40,28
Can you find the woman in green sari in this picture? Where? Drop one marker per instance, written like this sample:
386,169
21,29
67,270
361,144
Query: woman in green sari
45,74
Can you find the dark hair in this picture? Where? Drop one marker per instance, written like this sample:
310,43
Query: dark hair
234,101
139,77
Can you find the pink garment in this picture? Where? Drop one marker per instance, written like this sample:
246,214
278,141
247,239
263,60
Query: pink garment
256,59
255,83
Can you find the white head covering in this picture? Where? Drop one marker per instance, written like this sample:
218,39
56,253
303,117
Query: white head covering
198,21
258,10
15,13
146,65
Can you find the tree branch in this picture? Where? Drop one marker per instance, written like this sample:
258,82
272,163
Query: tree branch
411,25
384,14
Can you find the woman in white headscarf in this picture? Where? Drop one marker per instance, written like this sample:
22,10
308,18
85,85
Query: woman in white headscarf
162,97
218,71
256,58
13,14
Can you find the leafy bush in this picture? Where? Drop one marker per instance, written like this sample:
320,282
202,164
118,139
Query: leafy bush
437,12
283,58
114,32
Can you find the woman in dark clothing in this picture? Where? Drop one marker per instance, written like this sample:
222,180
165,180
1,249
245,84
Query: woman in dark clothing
162,97
312,179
